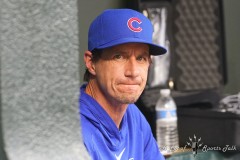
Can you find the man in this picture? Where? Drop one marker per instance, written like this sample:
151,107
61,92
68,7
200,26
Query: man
117,62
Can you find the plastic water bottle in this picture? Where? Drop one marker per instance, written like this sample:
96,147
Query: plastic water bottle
166,123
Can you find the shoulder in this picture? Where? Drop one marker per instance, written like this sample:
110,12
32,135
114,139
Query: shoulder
134,112
137,117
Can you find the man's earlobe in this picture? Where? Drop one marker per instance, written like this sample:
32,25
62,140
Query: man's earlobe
89,62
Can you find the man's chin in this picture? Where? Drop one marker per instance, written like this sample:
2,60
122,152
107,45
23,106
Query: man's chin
128,99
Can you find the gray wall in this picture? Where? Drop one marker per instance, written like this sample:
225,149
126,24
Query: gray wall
88,11
40,80
232,35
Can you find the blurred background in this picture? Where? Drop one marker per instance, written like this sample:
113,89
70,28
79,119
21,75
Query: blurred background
231,29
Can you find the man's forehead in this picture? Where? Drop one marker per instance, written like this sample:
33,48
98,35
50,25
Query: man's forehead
131,46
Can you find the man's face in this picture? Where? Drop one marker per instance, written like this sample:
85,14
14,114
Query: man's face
121,72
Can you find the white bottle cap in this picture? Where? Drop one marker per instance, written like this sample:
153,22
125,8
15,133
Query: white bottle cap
165,92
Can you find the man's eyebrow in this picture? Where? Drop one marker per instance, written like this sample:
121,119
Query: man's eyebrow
146,52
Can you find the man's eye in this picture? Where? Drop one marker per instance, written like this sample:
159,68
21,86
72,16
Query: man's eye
118,56
142,59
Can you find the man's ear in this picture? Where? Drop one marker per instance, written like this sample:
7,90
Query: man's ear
89,63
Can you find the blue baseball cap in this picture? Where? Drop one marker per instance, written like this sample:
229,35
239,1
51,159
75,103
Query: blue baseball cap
119,26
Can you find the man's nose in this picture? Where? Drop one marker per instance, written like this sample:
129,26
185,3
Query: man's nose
132,68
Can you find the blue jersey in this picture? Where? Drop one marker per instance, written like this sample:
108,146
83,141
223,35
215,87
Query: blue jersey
104,141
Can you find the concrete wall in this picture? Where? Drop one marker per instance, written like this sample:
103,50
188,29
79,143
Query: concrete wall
40,80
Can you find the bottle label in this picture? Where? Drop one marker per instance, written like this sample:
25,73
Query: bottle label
162,114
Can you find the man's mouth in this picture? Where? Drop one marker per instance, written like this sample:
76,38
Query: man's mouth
132,87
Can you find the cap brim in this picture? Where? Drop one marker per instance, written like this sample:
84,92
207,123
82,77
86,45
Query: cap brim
153,48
